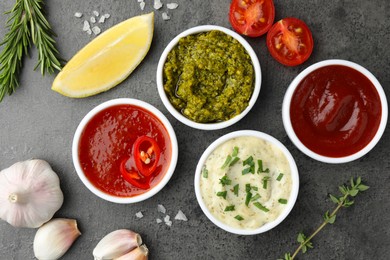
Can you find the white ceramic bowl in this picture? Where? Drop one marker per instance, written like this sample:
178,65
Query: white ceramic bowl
294,177
287,120
153,190
177,114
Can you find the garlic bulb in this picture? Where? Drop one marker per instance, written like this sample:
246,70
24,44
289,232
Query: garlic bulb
140,253
116,244
54,238
30,193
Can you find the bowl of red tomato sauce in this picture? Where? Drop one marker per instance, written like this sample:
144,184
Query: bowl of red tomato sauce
125,150
335,111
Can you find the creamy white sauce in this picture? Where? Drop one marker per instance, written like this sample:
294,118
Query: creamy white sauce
253,217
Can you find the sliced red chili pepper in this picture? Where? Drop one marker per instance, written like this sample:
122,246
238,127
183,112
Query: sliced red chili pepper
146,154
133,177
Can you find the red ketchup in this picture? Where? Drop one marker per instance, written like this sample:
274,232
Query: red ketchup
108,140
335,111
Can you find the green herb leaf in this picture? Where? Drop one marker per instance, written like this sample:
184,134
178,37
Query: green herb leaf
225,180
256,197
227,161
248,198
280,176
265,182
362,187
248,187
260,168
239,218
222,194
234,161
235,151
282,201
261,207
205,173
235,189
334,199
230,208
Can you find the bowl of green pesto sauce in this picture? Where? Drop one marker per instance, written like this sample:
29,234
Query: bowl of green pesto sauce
208,77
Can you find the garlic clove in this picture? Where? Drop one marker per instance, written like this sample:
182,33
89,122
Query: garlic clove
30,193
54,238
140,253
116,244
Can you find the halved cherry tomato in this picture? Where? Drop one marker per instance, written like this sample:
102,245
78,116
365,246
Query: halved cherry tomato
146,154
290,41
133,177
252,17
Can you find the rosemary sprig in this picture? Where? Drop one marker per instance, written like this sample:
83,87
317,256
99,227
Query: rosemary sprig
343,201
26,24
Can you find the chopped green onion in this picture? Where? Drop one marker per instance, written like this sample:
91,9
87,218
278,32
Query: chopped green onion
257,196
229,208
255,188
235,151
247,187
235,189
222,194
248,161
225,180
233,162
205,173
265,182
248,198
246,171
260,169
239,218
280,176
282,201
261,207
227,161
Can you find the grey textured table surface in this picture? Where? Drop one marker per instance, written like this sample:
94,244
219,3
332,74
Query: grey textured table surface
36,122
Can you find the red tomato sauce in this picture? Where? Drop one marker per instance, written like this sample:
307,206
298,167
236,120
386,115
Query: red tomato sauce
335,111
108,139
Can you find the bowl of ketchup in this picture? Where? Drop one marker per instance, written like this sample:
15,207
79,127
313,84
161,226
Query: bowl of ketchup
124,150
335,111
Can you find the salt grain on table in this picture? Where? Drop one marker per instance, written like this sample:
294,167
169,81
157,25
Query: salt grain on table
161,208
96,30
139,215
158,221
167,221
86,26
96,13
78,14
89,31
93,19
142,5
107,16
180,216
165,16
157,4
102,18
172,6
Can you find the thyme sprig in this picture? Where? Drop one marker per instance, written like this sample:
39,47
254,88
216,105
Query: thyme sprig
343,201
26,24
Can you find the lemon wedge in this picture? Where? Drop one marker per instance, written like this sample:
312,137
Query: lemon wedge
108,59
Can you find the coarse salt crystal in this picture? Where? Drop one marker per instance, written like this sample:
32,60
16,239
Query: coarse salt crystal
168,223
93,19
96,13
102,18
172,5
158,221
180,216
86,26
165,16
139,1
107,16
96,30
157,4
139,215
142,5
78,14
89,31
161,208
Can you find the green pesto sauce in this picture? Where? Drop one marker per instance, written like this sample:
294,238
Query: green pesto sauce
209,77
